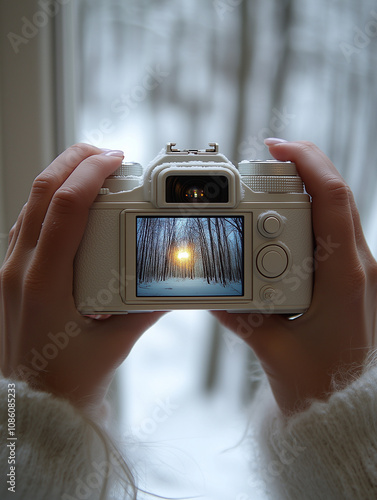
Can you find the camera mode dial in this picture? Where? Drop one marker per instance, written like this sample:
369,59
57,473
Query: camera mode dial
128,168
271,176
125,178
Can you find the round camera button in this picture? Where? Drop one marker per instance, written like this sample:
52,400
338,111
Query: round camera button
272,261
268,294
271,225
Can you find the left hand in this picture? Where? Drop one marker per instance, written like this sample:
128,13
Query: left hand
44,339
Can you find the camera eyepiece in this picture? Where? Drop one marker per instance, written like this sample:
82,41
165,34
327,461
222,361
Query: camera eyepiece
197,189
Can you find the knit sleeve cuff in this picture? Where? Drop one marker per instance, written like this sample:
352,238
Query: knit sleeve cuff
327,451
58,452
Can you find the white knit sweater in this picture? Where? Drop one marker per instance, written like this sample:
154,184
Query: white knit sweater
326,452
59,453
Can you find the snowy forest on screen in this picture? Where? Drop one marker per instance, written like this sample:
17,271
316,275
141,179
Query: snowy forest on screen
188,256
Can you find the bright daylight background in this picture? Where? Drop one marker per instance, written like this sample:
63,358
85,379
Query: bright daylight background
136,74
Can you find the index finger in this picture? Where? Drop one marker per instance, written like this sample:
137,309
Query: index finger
44,187
68,211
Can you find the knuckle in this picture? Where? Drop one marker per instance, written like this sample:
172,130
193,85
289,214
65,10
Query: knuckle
307,146
338,191
33,284
356,283
43,183
97,161
81,150
9,277
67,200
11,234
16,226
359,278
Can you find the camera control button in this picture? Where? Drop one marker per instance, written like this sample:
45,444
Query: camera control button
271,225
268,294
272,261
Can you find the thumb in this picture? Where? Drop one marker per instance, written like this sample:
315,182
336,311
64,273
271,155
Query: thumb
329,191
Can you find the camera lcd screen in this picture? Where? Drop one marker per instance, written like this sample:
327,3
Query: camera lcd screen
189,256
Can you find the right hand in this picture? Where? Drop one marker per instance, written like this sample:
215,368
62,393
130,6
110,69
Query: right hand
335,336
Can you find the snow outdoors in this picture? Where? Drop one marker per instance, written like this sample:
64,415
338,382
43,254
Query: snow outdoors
189,256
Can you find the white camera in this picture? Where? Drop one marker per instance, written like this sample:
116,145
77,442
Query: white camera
194,232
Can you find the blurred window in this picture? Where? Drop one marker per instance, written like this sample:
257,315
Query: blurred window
137,74
193,72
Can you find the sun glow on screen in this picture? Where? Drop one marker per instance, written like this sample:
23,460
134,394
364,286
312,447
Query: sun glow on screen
183,254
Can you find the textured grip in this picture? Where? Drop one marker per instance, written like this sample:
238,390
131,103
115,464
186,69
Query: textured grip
128,168
274,184
271,176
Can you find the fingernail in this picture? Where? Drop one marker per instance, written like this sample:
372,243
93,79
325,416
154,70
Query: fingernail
113,152
271,141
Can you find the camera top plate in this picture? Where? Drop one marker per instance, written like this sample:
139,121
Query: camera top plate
213,148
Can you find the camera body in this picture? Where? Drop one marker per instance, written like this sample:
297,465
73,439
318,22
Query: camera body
194,232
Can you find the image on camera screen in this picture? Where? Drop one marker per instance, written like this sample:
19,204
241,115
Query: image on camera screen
189,256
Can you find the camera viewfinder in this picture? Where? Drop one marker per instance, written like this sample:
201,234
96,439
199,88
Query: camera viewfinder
197,189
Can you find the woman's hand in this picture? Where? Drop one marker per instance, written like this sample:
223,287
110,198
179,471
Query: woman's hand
44,339
301,357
